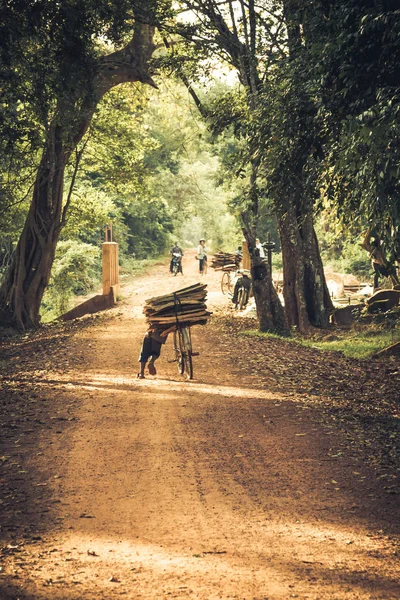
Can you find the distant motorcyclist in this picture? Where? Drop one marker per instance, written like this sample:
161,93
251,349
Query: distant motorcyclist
176,255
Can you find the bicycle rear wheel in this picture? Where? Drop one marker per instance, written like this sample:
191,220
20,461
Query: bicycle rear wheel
178,350
226,283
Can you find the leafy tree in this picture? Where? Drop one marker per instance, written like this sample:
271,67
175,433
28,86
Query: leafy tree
69,70
152,156
264,44
354,54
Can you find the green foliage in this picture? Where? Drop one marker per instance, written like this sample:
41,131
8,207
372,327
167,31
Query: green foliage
148,230
355,56
48,52
91,209
76,270
149,168
340,246
354,344
153,158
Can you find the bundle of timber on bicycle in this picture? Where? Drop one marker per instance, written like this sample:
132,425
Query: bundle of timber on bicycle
225,261
184,307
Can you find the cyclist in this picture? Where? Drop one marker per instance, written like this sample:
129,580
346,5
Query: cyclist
151,349
202,255
176,254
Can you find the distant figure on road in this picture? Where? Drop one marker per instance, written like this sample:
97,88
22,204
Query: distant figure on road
260,248
175,252
151,349
202,255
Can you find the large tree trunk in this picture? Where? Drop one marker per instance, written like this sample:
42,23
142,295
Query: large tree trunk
271,316
22,290
307,300
26,280
270,313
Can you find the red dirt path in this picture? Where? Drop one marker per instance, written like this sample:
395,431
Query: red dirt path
216,488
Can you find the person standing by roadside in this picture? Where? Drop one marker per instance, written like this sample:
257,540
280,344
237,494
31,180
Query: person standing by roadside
260,248
202,255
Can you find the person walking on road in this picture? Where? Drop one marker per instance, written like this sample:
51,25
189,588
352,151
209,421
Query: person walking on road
202,255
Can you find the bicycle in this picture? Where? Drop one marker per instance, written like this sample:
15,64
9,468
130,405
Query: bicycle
184,351
242,299
227,284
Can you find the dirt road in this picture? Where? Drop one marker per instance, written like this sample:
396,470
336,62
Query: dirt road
218,488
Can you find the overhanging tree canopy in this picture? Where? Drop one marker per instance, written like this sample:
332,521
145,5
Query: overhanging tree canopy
73,53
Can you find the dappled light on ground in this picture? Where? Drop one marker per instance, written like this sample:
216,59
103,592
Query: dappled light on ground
230,486
277,563
103,382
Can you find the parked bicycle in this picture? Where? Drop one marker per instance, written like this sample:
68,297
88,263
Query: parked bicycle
242,290
242,298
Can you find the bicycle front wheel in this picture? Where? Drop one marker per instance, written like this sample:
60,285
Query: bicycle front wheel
242,298
178,351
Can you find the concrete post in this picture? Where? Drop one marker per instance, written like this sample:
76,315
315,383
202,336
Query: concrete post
246,264
110,268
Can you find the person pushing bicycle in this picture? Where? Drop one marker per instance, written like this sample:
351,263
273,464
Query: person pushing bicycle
151,349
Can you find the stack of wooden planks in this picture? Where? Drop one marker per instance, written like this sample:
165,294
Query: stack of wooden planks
226,261
184,307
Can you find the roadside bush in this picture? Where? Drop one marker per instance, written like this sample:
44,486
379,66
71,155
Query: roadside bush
350,259
76,270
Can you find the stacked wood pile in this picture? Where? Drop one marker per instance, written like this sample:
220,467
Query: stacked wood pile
184,307
226,261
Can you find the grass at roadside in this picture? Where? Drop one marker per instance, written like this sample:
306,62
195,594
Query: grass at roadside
352,344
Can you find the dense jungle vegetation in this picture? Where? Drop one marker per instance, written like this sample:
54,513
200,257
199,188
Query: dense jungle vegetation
182,120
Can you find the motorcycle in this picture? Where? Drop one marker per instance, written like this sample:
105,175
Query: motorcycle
176,263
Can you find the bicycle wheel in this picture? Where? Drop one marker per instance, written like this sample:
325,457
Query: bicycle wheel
242,298
178,350
205,267
226,283
187,351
